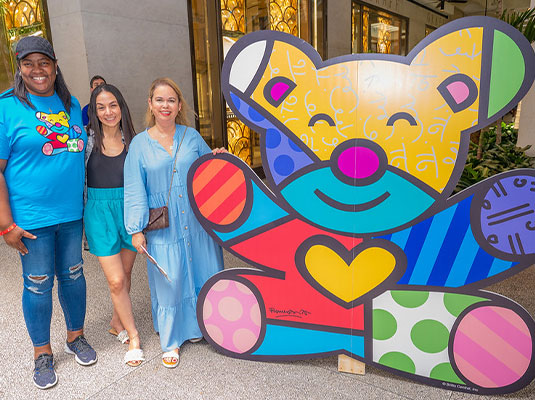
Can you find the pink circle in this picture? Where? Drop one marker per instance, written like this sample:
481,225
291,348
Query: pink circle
358,162
255,314
230,308
220,285
278,90
215,333
492,346
207,309
459,91
243,339
244,289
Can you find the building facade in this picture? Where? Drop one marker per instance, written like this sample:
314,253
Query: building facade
132,42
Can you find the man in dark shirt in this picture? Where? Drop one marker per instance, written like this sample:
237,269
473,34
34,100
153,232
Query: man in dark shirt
95,81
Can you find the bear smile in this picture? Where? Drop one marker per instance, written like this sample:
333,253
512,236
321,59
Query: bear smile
351,207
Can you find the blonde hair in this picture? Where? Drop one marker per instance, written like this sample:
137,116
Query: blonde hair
182,116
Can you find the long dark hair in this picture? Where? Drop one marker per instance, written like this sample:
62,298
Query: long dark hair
126,125
21,92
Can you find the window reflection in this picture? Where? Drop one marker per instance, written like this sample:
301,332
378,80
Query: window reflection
235,18
376,31
18,18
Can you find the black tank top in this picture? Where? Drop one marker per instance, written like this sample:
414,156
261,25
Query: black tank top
104,171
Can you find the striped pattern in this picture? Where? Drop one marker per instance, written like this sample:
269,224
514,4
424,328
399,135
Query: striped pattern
442,251
220,191
492,347
41,129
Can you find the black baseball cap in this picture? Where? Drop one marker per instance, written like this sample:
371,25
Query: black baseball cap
34,44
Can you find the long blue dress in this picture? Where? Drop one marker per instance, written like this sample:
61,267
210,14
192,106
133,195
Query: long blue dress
184,250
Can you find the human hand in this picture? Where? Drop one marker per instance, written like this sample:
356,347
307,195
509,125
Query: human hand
219,150
13,239
138,241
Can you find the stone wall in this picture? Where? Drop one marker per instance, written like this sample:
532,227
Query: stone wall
128,42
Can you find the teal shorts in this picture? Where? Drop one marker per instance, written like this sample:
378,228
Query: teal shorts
104,222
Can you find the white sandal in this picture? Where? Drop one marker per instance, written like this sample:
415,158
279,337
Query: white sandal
121,336
134,355
172,355
195,340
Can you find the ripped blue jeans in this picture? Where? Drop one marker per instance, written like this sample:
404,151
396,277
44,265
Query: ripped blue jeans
57,251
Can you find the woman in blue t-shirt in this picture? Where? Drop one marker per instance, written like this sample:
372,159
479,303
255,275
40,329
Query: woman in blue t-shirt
41,199
110,133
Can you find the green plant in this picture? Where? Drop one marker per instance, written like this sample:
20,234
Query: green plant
523,21
495,158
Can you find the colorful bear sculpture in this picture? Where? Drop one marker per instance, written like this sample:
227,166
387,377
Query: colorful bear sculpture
358,247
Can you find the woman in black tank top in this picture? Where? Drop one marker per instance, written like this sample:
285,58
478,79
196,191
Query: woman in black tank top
110,131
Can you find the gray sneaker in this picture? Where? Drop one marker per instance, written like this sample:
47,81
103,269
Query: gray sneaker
44,375
83,352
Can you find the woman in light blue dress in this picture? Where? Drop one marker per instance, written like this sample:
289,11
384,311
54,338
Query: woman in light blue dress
184,250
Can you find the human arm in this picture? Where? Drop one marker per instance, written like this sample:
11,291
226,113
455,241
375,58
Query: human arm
13,237
136,208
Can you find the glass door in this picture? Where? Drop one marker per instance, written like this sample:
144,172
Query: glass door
216,26
18,18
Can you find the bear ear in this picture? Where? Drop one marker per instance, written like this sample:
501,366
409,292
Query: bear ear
507,73
507,67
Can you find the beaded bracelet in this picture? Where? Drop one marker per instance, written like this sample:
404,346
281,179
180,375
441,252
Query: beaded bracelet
9,229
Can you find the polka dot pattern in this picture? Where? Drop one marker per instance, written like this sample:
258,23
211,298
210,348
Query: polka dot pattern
457,303
384,325
398,361
255,115
410,299
419,342
430,336
276,143
284,165
231,316
294,146
273,138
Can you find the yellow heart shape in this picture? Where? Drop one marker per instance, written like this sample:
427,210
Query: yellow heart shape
63,138
348,282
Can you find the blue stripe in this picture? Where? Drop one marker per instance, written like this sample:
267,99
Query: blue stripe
500,266
464,258
401,238
385,237
433,240
480,267
414,246
451,245
290,341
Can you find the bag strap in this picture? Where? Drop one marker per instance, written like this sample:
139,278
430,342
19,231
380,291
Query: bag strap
174,164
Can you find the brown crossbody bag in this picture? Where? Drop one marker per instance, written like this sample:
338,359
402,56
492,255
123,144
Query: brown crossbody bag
159,217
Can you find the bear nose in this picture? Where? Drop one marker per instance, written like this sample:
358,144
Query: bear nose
358,162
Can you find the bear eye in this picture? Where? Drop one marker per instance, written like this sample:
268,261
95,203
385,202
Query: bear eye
401,115
321,117
277,89
459,91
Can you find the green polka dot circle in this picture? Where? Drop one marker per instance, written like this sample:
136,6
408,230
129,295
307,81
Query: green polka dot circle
430,336
384,325
409,299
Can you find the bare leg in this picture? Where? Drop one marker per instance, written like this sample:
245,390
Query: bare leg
37,351
117,281
47,348
127,258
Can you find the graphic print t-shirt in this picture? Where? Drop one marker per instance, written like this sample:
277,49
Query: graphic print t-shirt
45,152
